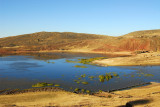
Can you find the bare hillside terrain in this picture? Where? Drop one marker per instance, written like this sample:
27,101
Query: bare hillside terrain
148,40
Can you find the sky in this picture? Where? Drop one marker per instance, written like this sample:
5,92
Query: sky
106,17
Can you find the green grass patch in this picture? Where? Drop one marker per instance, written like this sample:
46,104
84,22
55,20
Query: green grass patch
70,61
42,85
89,60
85,83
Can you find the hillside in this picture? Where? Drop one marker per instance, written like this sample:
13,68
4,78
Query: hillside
148,40
144,33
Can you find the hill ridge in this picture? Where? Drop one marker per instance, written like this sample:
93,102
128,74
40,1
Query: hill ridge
139,40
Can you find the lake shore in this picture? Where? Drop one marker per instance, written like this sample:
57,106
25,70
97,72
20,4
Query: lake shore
142,59
138,97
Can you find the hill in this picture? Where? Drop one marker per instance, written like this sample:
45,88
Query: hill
144,33
148,40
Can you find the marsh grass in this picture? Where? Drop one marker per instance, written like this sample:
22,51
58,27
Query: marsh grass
42,84
85,83
80,66
71,61
56,85
89,60
108,76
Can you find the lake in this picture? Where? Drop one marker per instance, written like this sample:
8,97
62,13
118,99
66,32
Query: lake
22,71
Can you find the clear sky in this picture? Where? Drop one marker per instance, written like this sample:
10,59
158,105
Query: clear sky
107,17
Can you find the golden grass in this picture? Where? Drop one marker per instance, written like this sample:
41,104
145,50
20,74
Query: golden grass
148,96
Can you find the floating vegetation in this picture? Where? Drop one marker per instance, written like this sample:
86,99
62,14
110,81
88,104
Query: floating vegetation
88,91
56,85
83,76
71,61
80,66
75,80
89,60
76,89
78,82
100,91
101,78
132,75
42,85
108,76
71,87
85,83
82,90
148,75
139,75
91,77
115,75
145,75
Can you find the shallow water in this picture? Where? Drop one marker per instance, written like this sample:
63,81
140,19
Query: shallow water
24,71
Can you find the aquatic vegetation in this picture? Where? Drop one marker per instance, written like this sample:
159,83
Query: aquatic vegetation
88,91
78,82
89,60
79,78
101,80
100,91
91,77
108,76
71,61
42,85
115,75
101,76
76,89
85,83
56,85
71,87
148,75
83,76
80,66
132,75
75,80
82,90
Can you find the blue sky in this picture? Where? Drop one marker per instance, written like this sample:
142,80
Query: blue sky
107,17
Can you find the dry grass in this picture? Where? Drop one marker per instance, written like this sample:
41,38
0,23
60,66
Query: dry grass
147,96
140,59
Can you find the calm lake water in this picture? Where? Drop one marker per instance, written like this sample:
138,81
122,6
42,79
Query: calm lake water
22,71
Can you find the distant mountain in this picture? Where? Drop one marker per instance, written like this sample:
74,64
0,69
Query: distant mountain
41,41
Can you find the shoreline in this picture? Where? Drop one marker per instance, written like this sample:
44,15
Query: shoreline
118,58
139,96
143,59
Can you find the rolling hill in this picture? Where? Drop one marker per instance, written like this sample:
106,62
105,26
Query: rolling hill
148,40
